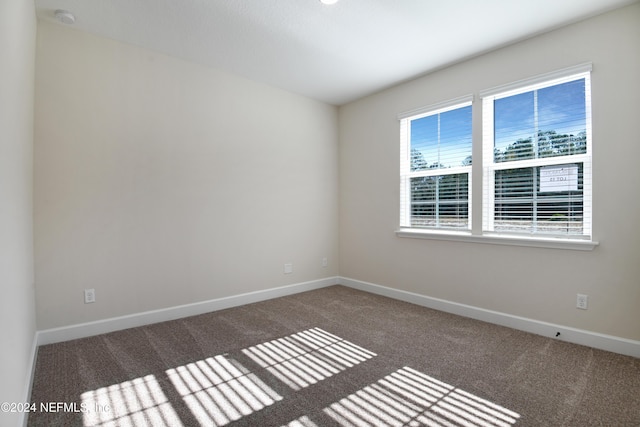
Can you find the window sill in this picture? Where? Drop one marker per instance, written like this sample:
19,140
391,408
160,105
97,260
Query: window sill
536,242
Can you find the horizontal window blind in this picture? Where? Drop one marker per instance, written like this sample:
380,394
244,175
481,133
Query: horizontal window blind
436,168
537,158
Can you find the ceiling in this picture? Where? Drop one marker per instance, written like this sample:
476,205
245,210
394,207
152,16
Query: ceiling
334,54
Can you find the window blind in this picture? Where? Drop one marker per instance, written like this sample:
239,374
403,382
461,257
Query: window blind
436,167
537,158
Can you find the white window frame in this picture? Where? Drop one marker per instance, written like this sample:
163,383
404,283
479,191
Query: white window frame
490,166
405,163
482,232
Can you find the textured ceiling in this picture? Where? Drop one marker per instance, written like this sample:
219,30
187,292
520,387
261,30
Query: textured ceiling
336,53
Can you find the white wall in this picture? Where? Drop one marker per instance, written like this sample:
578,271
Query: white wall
17,307
535,283
160,182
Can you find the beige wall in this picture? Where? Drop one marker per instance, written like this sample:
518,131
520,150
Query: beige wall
17,307
534,283
160,182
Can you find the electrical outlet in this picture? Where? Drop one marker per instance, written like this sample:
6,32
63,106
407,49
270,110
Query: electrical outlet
325,262
582,301
89,296
288,268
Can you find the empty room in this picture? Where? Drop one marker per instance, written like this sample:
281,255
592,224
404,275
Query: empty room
313,213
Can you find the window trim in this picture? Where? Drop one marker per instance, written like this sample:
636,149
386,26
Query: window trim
536,80
489,166
405,161
476,232
437,107
499,239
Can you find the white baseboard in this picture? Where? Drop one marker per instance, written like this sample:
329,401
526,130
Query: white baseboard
569,334
573,335
83,330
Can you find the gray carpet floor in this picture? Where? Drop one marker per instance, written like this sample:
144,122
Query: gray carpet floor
331,357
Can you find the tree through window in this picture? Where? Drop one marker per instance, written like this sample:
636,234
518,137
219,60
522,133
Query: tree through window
436,167
537,159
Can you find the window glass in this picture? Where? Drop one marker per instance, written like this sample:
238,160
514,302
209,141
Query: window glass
436,168
538,174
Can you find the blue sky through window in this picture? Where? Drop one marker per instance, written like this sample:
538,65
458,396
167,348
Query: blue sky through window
561,108
444,139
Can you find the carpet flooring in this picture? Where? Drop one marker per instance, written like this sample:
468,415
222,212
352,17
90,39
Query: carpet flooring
331,357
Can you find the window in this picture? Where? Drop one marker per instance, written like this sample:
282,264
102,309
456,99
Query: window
436,167
537,159
536,165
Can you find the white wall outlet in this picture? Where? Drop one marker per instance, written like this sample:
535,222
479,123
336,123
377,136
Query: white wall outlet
325,262
288,268
582,302
89,296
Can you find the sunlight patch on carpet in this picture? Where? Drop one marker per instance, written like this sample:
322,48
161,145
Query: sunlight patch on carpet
139,402
219,390
307,357
410,398
303,421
